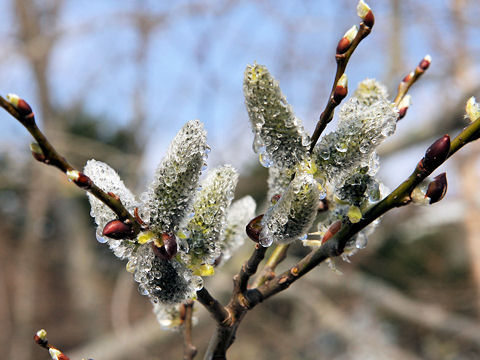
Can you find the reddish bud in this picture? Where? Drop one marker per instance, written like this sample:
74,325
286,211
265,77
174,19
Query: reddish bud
402,112
170,244
40,341
437,188
343,46
331,231
408,77
339,94
254,228
20,105
425,63
37,152
437,153
117,230
346,40
369,19
84,181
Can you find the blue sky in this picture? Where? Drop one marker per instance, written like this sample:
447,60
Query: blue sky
195,60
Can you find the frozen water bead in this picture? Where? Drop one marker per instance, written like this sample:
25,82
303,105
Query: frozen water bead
278,180
168,316
206,227
167,282
292,216
280,139
170,195
238,216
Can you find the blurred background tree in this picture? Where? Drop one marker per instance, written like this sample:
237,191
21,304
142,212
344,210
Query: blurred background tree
116,80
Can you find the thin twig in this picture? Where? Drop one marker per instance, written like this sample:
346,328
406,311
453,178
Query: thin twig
213,306
248,269
342,61
50,156
268,272
410,79
189,350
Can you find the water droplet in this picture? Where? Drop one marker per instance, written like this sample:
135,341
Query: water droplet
101,239
265,159
142,290
341,147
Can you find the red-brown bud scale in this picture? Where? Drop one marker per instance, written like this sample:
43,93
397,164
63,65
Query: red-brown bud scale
437,188
254,228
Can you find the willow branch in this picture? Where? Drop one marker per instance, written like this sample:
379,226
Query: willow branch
213,306
189,350
49,155
410,79
336,245
333,101
268,272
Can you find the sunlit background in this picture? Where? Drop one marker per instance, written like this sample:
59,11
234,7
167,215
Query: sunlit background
115,80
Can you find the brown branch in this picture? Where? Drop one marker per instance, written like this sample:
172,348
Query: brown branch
333,101
268,272
397,198
410,79
248,269
50,156
213,306
189,350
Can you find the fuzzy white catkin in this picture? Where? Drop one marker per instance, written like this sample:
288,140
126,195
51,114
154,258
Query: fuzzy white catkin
239,214
206,227
108,180
292,216
169,197
280,139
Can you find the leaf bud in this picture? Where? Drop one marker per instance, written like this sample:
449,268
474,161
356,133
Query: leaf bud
472,110
403,106
346,40
341,89
118,230
37,152
170,244
437,188
20,105
437,153
408,77
41,338
365,13
331,231
254,228
424,63
80,179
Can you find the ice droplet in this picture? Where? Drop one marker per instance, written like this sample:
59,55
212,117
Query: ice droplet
101,239
264,158
361,241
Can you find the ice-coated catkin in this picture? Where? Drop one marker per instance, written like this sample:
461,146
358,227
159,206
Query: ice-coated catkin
239,214
205,228
163,281
365,121
280,139
171,193
292,216
108,180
